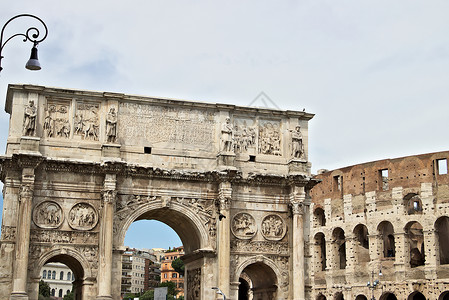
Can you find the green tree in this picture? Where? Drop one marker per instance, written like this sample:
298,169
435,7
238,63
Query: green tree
69,296
148,295
44,289
129,296
178,266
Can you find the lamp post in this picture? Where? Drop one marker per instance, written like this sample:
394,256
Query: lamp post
372,285
32,35
219,292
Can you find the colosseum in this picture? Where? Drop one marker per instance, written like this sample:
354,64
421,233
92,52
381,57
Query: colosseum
380,230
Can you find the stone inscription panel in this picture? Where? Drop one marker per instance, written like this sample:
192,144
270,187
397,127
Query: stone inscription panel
147,124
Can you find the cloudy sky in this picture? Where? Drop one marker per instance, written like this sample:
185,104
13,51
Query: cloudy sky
375,72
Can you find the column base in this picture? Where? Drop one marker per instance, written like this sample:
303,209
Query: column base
18,296
103,298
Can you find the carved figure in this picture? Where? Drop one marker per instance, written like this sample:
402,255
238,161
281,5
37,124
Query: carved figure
29,122
243,226
194,284
297,145
49,125
226,136
111,125
79,124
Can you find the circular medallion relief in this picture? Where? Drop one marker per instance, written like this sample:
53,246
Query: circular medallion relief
243,226
273,228
83,216
48,214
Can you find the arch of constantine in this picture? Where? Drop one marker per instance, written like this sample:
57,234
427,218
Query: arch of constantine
234,182
80,167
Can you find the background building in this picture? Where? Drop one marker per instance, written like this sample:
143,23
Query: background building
140,271
386,220
59,277
167,271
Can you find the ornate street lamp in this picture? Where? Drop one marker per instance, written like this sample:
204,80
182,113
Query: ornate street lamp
219,292
32,35
372,285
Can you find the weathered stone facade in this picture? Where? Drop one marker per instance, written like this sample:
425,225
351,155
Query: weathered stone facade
390,216
81,167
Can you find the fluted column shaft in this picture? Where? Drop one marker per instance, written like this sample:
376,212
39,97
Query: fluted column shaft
224,237
20,275
297,198
106,237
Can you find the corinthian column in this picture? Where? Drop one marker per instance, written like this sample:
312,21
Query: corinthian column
297,198
106,231
20,274
224,237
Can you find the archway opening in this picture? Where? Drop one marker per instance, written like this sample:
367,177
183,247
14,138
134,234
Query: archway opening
386,232
361,297
338,236
388,296
362,243
416,296
64,275
189,234
415,236
244,289
151,248
262,281
442,230
444,296
320,252
319,217
339,296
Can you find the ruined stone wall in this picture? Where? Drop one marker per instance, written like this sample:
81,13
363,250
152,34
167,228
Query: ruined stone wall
389,216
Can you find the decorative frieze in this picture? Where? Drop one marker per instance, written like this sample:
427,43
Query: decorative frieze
63,237
270,137
8,233
57,121
265,247
194,284
87,123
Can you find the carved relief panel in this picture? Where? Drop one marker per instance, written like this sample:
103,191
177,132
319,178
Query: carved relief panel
243,226
273,227
57,120
48,214
194,284
82,216
87,123
244,135
270,137
143,123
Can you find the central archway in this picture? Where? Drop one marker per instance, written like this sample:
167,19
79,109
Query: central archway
190,222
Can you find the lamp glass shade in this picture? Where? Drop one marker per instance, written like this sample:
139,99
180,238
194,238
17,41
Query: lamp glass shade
33,62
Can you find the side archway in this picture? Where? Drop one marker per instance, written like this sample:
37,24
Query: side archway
388,296
416,296
264,276
79,265
444,296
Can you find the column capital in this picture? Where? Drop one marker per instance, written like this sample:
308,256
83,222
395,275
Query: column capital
297,208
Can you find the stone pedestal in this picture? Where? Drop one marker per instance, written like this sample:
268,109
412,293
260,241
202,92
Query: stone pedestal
110,150
226,159
29,144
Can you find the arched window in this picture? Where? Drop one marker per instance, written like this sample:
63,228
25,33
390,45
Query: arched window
442,230
386,232
320,252
44,274
320,218
339,296
53,275
340,247
67,292
361,249
60,293
444,296
53,292
415,237
61,275
69,275
361,297
413,204
416,296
